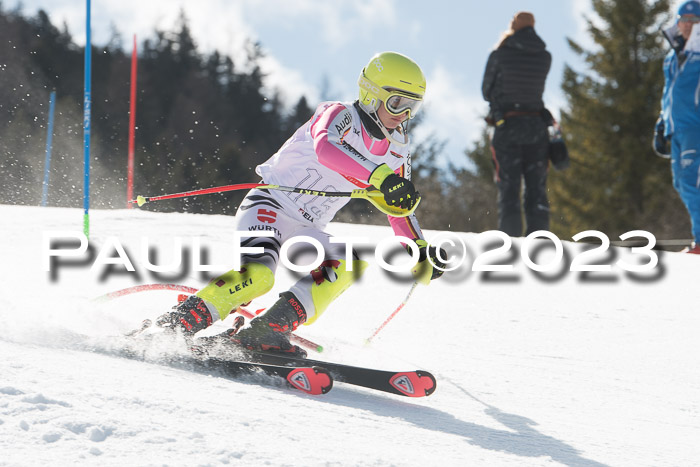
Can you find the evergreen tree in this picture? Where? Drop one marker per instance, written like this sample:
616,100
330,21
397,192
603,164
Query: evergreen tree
616,183
482,157
469,192
301,113
201,121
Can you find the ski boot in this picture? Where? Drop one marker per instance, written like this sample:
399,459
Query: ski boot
189,316
694,248
270,332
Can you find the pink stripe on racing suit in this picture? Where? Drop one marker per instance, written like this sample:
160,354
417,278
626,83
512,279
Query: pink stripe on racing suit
334,152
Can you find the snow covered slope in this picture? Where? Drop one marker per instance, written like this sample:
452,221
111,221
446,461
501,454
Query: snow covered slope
555,369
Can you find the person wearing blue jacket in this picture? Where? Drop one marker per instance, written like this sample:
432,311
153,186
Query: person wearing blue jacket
679,122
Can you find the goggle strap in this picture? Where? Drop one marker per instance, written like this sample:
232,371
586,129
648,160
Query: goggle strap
371,87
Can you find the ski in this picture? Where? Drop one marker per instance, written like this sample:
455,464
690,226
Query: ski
307,378
417,383
310,376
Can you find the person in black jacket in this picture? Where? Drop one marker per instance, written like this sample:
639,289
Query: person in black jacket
513,85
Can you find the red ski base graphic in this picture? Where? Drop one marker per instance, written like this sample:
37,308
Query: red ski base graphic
414,383
312,380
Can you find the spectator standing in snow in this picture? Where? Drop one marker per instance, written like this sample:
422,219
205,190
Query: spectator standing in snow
513,85
679,121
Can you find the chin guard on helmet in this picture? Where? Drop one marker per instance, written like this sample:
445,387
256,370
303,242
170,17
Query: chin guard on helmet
400,130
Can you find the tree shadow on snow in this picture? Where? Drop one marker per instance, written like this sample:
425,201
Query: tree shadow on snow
524,440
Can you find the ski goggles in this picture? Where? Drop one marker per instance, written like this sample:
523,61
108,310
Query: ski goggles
689,19
396,102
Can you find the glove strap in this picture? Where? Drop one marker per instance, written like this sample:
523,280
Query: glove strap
379,175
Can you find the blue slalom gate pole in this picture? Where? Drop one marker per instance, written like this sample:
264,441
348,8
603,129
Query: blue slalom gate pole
86,123
49,139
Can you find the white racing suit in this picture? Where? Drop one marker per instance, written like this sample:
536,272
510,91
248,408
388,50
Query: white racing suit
333,151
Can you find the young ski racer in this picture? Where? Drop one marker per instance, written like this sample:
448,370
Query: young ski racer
344,146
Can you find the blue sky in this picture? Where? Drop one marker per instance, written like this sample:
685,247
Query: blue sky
312,42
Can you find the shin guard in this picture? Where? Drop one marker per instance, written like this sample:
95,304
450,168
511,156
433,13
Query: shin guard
330,280
234,288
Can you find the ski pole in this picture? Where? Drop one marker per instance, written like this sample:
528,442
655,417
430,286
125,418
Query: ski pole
391,316
375,197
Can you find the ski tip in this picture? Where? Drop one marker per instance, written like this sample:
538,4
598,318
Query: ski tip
414,383
311,380
430,383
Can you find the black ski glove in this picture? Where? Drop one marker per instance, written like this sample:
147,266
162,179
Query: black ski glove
660,141
397,191
433,256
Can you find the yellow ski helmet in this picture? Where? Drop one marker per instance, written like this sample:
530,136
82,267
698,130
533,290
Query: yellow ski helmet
394,80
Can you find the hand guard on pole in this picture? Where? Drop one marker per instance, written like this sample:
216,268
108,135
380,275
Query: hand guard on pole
430,262
660,141
397,190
